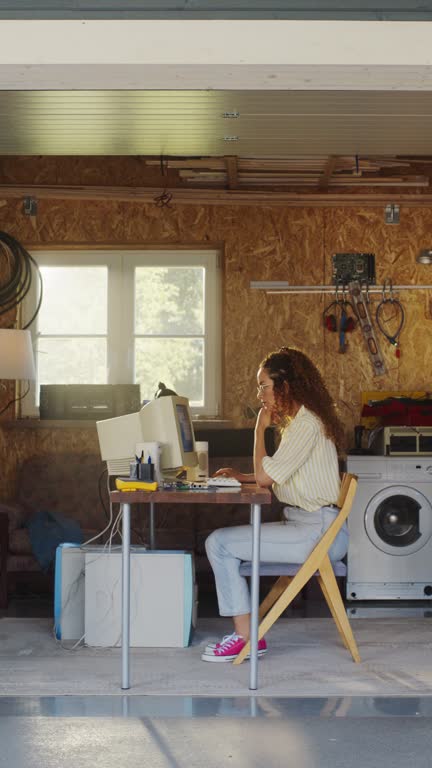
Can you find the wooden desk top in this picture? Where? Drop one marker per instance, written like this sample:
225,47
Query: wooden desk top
248,494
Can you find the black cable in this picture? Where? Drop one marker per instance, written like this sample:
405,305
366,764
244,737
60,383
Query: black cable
392,338
18,286
15,400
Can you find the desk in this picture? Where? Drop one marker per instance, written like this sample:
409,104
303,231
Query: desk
248,494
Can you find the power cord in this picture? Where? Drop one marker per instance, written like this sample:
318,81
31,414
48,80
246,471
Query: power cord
15,400
136,531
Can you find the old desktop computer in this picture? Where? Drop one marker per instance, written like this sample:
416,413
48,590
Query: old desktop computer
163,598
163,591
87,600
165,420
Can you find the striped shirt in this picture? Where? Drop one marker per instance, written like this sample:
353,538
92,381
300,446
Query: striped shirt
305,467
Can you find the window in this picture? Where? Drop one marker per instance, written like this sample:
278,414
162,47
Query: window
119,317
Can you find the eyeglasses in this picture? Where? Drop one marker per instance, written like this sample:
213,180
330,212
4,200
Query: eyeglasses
262,387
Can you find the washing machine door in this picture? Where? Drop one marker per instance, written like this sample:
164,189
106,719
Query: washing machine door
398,520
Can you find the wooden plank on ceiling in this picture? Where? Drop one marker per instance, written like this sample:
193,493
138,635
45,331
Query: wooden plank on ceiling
232,171
330,166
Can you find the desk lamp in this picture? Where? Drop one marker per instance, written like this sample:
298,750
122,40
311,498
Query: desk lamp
16,358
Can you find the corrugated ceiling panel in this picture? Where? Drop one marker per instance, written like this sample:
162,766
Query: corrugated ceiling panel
188,123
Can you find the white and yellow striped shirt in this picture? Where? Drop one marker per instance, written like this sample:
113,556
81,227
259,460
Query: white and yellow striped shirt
305,467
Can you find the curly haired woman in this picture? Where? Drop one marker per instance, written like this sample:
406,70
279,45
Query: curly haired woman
304,475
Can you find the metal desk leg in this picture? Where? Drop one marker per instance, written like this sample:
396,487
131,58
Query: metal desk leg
126,509
256,529
152,526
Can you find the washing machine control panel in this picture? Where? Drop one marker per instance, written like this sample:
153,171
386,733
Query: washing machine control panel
388,468
415,471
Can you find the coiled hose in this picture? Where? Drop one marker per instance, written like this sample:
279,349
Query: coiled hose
17,286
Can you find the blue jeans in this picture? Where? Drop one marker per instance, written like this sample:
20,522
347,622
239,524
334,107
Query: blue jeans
290,541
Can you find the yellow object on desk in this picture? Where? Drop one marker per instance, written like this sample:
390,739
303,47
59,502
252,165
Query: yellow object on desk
135,485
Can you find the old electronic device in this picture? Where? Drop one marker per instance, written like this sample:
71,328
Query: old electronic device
69,592
88,401
167,420
223,482
163,598
126,484
403,441
353,266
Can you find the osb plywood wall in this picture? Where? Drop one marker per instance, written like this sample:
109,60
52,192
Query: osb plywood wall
259,243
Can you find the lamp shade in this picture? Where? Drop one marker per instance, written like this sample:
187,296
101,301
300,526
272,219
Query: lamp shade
16,355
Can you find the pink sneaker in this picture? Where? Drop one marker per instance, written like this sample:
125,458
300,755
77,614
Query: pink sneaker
211,646
230,648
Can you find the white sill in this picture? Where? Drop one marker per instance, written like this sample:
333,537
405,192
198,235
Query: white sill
30,423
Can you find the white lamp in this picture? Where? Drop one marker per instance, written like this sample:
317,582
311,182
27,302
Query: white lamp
16,355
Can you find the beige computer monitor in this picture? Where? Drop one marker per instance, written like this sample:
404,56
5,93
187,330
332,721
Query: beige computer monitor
166,420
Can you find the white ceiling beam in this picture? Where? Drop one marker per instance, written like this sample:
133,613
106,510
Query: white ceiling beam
196,54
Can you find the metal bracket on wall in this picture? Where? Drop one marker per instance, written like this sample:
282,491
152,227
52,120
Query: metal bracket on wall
392,214
367,330
30,206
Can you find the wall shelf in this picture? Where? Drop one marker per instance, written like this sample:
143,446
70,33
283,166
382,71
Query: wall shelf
283,287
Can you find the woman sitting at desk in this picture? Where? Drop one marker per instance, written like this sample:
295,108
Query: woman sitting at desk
304,474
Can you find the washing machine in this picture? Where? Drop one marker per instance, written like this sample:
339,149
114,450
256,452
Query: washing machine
390,526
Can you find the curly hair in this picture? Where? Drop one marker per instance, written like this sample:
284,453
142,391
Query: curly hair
306,386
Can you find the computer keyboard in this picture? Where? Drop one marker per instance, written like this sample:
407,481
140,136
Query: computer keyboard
223,482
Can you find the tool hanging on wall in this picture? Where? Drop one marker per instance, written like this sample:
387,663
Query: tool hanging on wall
397,314
337,318
368,332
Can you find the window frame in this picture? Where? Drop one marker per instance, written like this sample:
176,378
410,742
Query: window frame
121,264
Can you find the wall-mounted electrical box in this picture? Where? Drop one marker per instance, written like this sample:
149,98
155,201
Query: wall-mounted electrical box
353,266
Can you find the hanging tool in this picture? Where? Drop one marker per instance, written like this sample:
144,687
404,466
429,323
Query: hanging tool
398,313
343,324
368,332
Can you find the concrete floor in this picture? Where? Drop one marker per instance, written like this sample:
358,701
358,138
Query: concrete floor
242,731
184,732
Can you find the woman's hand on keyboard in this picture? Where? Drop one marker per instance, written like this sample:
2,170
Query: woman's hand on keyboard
242,477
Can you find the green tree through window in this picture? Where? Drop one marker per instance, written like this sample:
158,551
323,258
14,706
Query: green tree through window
169,330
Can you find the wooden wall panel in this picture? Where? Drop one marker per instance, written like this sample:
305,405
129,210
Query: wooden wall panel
259,243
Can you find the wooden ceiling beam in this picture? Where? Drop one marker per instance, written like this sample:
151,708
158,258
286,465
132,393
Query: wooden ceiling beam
415,158
399,170
203,196
231,163
327,173
204,163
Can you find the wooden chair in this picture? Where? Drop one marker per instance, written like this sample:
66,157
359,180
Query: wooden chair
294,576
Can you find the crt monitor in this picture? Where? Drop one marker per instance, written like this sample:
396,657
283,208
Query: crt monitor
166,420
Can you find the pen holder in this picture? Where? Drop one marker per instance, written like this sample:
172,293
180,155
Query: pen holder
154,451
146,472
